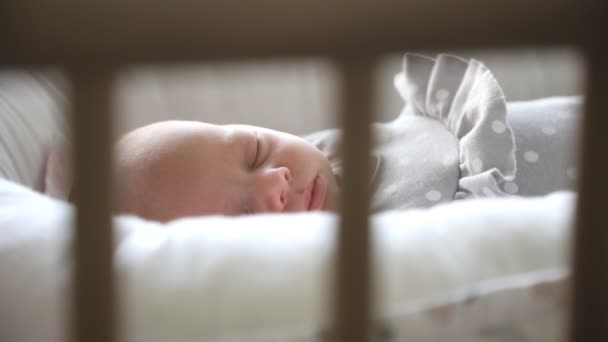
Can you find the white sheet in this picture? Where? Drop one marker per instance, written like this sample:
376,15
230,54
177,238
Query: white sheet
261,278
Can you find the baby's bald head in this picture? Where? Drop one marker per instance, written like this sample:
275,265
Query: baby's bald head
156,169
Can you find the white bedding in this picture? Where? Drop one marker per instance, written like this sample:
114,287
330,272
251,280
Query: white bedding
262,278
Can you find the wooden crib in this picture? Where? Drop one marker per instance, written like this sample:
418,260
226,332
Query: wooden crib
92,42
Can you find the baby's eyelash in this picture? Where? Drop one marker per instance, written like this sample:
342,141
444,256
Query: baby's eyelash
256,156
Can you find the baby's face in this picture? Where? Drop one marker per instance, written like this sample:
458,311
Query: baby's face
179,168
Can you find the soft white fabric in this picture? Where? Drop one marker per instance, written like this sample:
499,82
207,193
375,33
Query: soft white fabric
261,278
530,307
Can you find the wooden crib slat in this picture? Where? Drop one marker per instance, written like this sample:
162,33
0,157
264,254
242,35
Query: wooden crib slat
589,315
93,306
352,290
56,32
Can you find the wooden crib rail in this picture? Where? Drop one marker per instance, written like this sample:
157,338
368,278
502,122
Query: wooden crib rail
135,31
92,40
589,304
94,312
352,307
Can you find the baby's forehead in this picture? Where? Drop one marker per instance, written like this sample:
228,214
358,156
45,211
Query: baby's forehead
226,136
280,135
232,129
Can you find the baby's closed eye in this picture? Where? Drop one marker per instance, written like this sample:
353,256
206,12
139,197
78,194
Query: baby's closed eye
257,151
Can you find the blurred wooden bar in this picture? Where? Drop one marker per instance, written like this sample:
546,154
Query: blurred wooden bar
353,282
589,298
94,310
141,31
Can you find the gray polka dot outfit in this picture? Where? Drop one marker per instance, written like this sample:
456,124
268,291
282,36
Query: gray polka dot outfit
458,138
545,136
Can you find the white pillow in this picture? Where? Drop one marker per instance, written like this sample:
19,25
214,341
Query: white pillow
261,277
32,120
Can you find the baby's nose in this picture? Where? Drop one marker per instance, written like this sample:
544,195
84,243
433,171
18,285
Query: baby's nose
275,189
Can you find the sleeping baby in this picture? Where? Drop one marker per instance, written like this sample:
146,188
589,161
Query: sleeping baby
184,168
456,138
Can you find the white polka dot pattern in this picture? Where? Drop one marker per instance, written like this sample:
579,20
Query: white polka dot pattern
549,130
498,126
479,147
391,189
511,187
477,165
442,94
433,195
531,156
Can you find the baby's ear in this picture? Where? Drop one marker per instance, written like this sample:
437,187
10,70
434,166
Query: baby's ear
58,175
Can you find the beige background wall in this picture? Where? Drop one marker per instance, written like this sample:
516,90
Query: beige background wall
300,96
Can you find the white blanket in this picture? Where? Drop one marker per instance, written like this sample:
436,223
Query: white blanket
266,277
